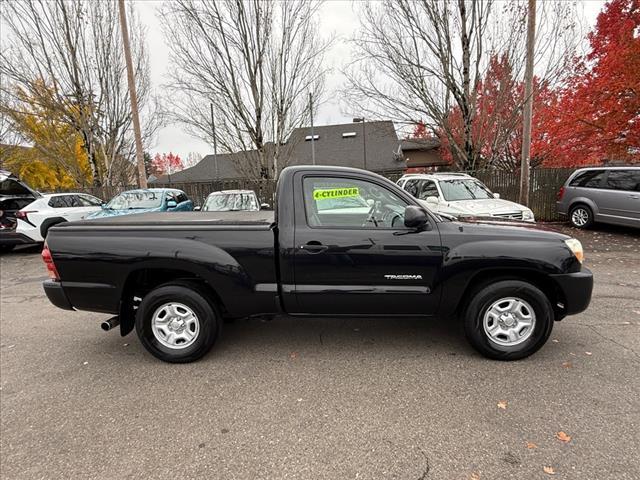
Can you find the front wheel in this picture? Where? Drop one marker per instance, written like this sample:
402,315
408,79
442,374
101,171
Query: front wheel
176,323
508,320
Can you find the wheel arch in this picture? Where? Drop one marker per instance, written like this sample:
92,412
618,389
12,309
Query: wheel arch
48,223
543,282
582,201
142,280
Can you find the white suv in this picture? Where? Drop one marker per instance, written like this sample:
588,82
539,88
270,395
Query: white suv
460,194
35,220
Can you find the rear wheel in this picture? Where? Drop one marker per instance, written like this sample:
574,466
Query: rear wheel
176,323
581,216
508,320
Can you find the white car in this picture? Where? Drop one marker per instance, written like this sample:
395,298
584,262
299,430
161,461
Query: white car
459,194
35,220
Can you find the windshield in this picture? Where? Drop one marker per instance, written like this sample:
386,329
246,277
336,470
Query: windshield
225,202
468,189
136,200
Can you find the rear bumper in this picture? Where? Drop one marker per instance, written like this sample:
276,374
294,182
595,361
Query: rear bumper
576,289
15,238
56,294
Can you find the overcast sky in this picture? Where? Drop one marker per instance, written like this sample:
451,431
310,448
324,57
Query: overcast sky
337,17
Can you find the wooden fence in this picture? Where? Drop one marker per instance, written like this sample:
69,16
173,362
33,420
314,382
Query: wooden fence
544,186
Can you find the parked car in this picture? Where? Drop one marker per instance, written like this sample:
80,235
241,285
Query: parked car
460,194
176,277
232,201
145,200
14,195
603,194
35,220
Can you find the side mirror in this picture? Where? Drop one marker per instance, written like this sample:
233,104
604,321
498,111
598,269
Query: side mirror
103,206
496,195
432,201
415,217
171,204
197,208
265,206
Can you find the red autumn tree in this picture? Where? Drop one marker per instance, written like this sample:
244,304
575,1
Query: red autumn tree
596,116
497,124
166,163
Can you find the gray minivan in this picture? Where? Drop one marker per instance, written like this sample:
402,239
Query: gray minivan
601,194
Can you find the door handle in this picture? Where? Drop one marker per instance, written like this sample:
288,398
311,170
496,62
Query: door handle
314,247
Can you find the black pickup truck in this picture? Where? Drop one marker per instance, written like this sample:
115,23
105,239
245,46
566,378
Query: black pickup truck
340,242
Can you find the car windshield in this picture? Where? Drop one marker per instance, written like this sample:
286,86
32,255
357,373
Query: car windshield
467,189
136,200
226,202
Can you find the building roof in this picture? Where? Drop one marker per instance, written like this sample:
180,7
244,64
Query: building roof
336,145
343,145
409,144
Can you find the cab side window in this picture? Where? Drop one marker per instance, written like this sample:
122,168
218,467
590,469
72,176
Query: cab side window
428,188
351,203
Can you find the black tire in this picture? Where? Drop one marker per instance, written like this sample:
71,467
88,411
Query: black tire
485,297
191,296
581,216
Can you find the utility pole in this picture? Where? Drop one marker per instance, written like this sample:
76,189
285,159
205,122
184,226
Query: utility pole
142,177
527,112
364,140
313,145
215,142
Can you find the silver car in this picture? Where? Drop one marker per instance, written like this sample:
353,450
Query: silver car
605,194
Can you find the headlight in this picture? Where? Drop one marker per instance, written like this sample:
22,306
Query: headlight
527,215
576,247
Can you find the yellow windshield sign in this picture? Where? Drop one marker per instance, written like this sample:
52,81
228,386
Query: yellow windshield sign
325,194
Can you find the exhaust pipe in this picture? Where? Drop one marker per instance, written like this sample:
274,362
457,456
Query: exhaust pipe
109,324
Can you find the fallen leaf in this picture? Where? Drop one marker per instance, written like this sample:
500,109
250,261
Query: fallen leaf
563,437
549,470
588,353
293,355
86,363
531,445
502,404
474,476
555,341
567,364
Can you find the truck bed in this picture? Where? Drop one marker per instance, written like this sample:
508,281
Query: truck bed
233,252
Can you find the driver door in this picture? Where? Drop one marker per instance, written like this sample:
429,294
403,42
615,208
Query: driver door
353,254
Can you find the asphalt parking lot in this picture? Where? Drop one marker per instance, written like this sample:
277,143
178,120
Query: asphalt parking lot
323,398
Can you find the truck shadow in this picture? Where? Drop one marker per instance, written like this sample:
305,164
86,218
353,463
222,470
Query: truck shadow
289,337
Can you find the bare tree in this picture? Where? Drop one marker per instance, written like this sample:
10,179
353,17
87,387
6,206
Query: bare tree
74,48
419,60
256,61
